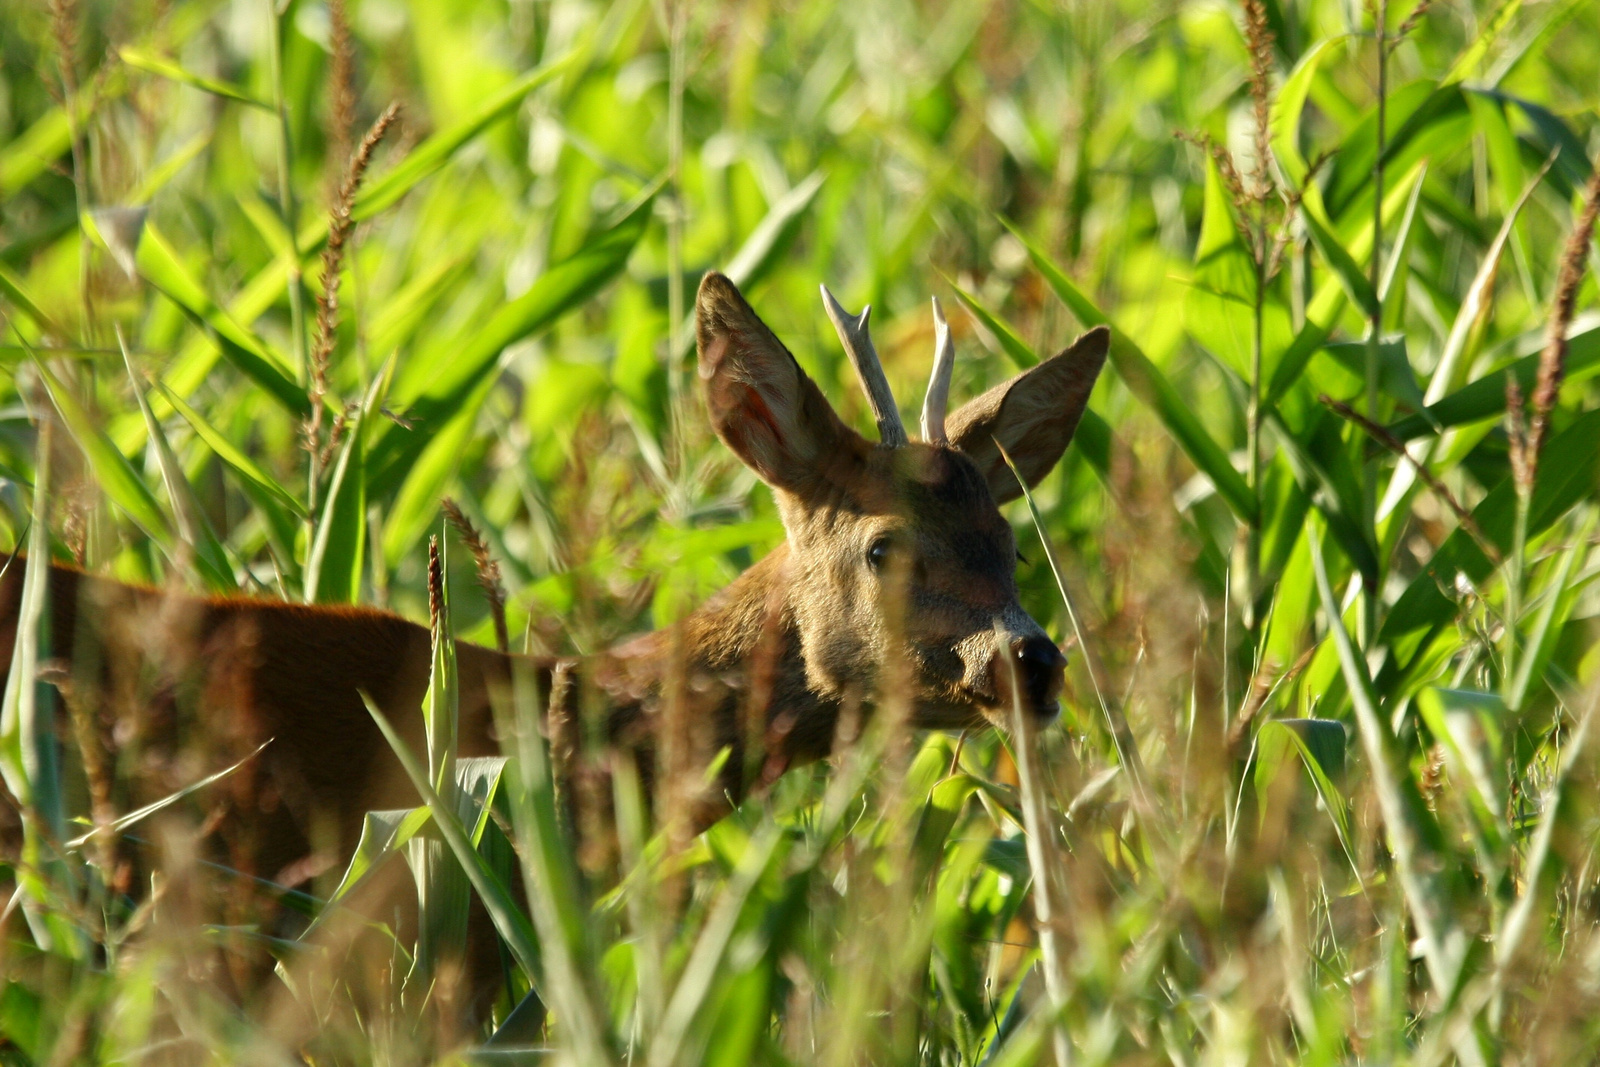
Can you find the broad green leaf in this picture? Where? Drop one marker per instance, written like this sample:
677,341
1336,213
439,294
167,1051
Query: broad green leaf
1471,57
1567,471
1222,263
1485,398
141,59
442,888
1423,121
1396,379
194,529
434,152
938,818
417,503
159,175
31,154
162,268
1012,345
509,921
1320,745
1452,361
264,486
1328,302
1560,596
339,541
1287,107
16,293
399,317
760,250
1150,386
1412,834
383,833
1391,295
1318,458
1219,309
436,384
111,468
1355,281
1469,726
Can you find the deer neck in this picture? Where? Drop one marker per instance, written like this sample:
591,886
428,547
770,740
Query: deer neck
730,674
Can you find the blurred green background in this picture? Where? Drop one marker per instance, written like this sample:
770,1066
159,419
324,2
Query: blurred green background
514,330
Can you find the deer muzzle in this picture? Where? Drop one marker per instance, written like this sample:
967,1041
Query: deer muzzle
1030,669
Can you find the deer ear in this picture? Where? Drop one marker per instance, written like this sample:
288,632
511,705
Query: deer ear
1033,416
762,404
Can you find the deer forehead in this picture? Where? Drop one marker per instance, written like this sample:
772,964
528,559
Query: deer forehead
932,499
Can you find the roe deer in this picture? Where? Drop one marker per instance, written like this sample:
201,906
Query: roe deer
803,632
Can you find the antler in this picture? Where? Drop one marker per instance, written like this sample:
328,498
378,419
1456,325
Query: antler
938,395
858,346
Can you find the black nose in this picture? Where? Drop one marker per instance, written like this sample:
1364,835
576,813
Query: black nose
1040,664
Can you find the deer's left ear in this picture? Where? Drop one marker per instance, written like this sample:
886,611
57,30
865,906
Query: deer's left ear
761,403
1033,416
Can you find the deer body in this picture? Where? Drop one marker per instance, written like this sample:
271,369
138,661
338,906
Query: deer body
897,555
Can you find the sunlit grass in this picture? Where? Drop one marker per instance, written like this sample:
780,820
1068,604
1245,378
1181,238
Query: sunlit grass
1258,575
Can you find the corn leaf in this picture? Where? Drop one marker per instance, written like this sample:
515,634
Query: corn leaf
437,384
111,468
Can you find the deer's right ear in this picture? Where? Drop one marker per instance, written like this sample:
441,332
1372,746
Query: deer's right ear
762,404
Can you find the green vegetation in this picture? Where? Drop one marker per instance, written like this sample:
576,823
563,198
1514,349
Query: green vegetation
1258,575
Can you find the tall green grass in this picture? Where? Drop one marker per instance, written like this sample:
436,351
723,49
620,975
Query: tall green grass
1324,787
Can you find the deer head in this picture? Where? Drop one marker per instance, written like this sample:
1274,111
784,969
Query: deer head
898,549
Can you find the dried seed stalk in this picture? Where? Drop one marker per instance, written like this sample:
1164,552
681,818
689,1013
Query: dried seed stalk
1553,360
1388,440
488,569
340,225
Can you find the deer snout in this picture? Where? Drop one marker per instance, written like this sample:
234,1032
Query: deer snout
1037,666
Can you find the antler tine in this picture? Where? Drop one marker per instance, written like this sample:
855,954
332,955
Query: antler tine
864,357
938,395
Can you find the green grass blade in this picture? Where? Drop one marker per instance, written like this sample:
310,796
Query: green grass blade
509,921
34,151
1328,301
263,485
338,545
160,266
417,503
194,529
141,59
1151,386
1567,471
1013,346
1287,106
711,947
1560,597
1485,398
1116,721
437,384
1411,832
111,468
436,151
16,293
1350,273
139,815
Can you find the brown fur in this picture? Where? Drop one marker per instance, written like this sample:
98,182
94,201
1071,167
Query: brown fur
763,668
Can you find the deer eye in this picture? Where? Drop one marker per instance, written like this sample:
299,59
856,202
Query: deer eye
878,553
